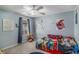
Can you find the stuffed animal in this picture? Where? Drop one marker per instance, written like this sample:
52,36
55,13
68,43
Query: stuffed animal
1,51
44,46
50,44
30,38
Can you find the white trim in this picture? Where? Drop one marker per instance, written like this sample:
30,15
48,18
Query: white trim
10,46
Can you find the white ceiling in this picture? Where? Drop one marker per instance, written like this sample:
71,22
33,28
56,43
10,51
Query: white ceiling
48,9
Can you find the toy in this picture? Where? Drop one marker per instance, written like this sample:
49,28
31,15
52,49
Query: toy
58,44
55,47
30,37
1,51
73,44
67,44
76,49
50,44
43,43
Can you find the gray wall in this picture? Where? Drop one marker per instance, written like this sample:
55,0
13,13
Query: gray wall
32,26
47,24
8,39
43,26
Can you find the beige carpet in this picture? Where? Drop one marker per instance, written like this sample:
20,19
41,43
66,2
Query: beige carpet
25,48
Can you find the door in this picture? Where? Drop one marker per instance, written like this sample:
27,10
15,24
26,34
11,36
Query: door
25,30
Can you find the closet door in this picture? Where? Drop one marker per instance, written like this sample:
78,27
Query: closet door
25,30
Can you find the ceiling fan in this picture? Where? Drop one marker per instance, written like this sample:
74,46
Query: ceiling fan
36,8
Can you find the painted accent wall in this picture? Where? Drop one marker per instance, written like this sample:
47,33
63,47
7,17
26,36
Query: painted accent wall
40,26
9,39
47,24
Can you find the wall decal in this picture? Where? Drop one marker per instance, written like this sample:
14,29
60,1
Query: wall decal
60,24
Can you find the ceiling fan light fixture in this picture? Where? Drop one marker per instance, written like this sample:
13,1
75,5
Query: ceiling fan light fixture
33,12
28,8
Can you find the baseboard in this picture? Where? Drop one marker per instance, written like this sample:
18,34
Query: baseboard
10,46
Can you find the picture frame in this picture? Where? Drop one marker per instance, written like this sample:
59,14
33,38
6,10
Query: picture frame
8,25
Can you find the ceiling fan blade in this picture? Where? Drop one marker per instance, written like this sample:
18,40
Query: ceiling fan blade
42,13
40,7
33,7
